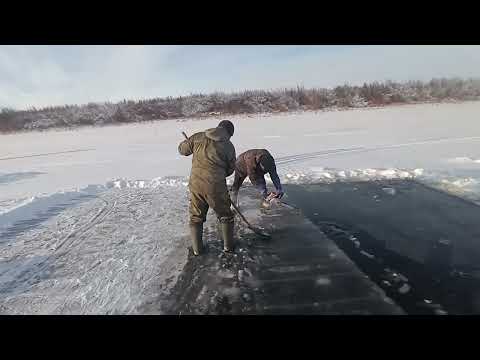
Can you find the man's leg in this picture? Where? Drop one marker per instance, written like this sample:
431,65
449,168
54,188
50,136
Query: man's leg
260,185
220,203
198,215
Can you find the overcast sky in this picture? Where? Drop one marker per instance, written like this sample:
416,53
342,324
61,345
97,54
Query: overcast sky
55,75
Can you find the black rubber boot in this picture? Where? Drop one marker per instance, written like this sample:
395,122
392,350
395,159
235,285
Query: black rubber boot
227,234
196,234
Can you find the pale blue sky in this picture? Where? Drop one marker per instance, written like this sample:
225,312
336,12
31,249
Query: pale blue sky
54,75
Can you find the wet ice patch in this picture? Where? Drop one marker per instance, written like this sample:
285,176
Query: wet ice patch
389,191
289,269
323,281
444,242
232,292
364,253
248,272
405,288
226,274
241,275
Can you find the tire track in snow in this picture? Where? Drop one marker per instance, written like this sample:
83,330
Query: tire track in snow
298,157
327,153
98,218
45,154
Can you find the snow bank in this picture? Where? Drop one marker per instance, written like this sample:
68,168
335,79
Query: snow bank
464,187
468,187
10,205
169,181
315,175
298,176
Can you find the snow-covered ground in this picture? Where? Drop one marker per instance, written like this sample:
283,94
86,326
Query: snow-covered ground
435,143
110,255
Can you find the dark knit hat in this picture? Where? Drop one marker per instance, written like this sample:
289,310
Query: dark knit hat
227,125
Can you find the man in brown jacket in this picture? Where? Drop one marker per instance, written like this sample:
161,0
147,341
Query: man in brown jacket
213,161
255,163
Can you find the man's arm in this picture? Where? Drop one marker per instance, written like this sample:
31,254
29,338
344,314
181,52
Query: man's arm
232,159
262,186
186,146
276,180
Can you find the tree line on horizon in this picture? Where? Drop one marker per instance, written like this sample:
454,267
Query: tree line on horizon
245,102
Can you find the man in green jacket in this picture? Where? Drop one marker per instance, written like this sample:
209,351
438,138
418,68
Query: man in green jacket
213,161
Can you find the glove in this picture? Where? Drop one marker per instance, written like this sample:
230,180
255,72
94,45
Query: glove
271,196
278,194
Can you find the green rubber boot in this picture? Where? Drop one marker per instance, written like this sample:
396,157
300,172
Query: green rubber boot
196,233
227,234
